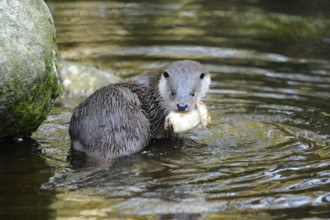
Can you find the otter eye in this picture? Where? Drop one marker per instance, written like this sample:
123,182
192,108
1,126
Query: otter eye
192,93
166,75
173,93
202,76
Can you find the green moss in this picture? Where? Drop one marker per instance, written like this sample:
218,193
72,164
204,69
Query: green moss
24,116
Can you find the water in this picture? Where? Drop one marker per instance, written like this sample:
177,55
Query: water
267,153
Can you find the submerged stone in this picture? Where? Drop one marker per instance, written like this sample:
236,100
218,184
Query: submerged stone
28,66
242,133
80,80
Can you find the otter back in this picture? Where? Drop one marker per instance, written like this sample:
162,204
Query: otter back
110,124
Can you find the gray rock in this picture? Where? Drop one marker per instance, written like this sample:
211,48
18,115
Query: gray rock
28,66
238,133
80,80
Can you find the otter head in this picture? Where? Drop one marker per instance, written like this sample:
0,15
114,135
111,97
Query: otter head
183,84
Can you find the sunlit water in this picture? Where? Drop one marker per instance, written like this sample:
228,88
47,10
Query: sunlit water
267,152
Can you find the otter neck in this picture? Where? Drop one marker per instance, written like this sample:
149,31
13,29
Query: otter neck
152,103
157,110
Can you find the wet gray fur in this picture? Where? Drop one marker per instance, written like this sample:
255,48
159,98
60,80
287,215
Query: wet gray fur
120,119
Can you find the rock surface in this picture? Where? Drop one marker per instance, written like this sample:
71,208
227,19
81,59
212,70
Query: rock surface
28,66
80,80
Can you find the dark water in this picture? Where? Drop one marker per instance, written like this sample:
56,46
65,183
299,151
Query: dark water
267,153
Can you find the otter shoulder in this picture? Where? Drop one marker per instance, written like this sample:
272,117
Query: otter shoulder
147,80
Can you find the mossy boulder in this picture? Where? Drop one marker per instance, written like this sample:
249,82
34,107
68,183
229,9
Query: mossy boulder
28,66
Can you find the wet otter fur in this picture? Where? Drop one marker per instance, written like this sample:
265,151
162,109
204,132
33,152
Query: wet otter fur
122,118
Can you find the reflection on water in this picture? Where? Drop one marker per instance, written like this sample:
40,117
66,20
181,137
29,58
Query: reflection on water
22,170
267,153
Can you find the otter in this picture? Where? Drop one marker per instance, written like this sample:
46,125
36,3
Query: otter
120,119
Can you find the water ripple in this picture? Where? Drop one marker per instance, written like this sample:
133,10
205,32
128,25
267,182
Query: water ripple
266,153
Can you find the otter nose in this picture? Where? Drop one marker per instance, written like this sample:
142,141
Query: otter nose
182,106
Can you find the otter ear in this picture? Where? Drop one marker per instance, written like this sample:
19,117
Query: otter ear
202,76
166,75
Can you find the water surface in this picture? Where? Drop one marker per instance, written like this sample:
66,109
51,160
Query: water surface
267,153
